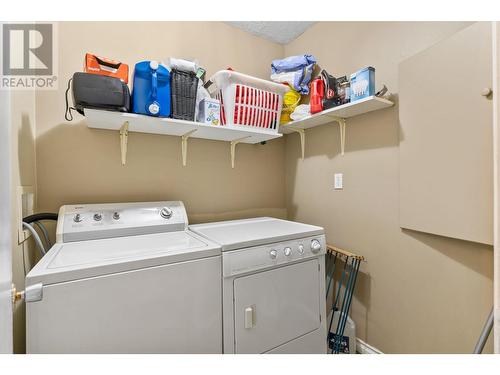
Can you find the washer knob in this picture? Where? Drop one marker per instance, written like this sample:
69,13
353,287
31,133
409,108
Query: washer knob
287,251
116,215
273,254
97,217
166,213
77,218
315,246
301,249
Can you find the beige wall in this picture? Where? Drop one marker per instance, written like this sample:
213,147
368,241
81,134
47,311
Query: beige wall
76,164
417,293
23,174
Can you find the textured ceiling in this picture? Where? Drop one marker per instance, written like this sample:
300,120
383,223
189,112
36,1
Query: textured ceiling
282,32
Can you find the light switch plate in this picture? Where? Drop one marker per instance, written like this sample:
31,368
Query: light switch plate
25,207
339,183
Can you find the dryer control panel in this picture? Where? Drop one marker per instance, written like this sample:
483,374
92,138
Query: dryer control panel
269,256
110,220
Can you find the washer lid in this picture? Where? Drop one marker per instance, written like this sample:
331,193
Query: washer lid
77,260
237,234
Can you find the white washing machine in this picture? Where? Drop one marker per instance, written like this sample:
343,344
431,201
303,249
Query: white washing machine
273,285
125,278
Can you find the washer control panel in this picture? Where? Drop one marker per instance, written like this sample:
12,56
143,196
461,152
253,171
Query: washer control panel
261,257
97,221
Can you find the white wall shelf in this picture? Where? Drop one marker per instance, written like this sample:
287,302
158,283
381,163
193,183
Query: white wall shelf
337,114
131,122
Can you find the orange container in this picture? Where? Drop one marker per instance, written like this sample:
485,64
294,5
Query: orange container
106,67
317,92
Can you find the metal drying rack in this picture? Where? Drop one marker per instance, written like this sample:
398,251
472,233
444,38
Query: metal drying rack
348,282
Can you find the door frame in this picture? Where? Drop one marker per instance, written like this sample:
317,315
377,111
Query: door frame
6,334
496,185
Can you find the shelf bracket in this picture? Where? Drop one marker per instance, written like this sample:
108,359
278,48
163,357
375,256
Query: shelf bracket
341,121
184,144
302,134
124,141
233,148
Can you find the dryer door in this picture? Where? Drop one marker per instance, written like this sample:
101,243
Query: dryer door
276,306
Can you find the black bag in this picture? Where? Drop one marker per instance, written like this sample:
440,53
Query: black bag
330,97
97,92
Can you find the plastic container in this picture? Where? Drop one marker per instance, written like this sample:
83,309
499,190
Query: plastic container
317,93
290,101
348,341
184,88
151,90
247,101
362,84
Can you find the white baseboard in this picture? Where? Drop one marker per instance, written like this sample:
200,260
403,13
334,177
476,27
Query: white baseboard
365,348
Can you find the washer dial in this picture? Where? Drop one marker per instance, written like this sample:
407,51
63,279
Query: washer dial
301,249
315,246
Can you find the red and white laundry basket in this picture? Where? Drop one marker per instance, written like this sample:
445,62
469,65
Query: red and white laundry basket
247,101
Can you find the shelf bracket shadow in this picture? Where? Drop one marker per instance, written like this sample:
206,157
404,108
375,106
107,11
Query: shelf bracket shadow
124,142
233,148
302,134
184,145
341,121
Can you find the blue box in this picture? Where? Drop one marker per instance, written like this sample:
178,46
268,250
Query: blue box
362,84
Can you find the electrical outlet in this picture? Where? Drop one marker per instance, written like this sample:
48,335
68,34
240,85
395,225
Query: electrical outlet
25,207
339,183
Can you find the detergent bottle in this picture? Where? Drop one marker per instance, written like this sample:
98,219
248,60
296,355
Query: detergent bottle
151,91
317,92
291,100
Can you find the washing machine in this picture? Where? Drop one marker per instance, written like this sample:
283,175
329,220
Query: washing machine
125,278
273,285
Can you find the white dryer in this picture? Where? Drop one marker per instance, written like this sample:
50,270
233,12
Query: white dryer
273,285
125,278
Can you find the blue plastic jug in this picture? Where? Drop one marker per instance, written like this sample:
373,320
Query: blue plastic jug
151,91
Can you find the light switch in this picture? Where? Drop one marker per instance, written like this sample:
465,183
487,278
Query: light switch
339,183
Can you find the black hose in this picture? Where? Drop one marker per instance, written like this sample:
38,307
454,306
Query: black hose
41,216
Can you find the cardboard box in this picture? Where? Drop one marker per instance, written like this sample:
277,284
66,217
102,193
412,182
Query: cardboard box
106,67
362,83
209,111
